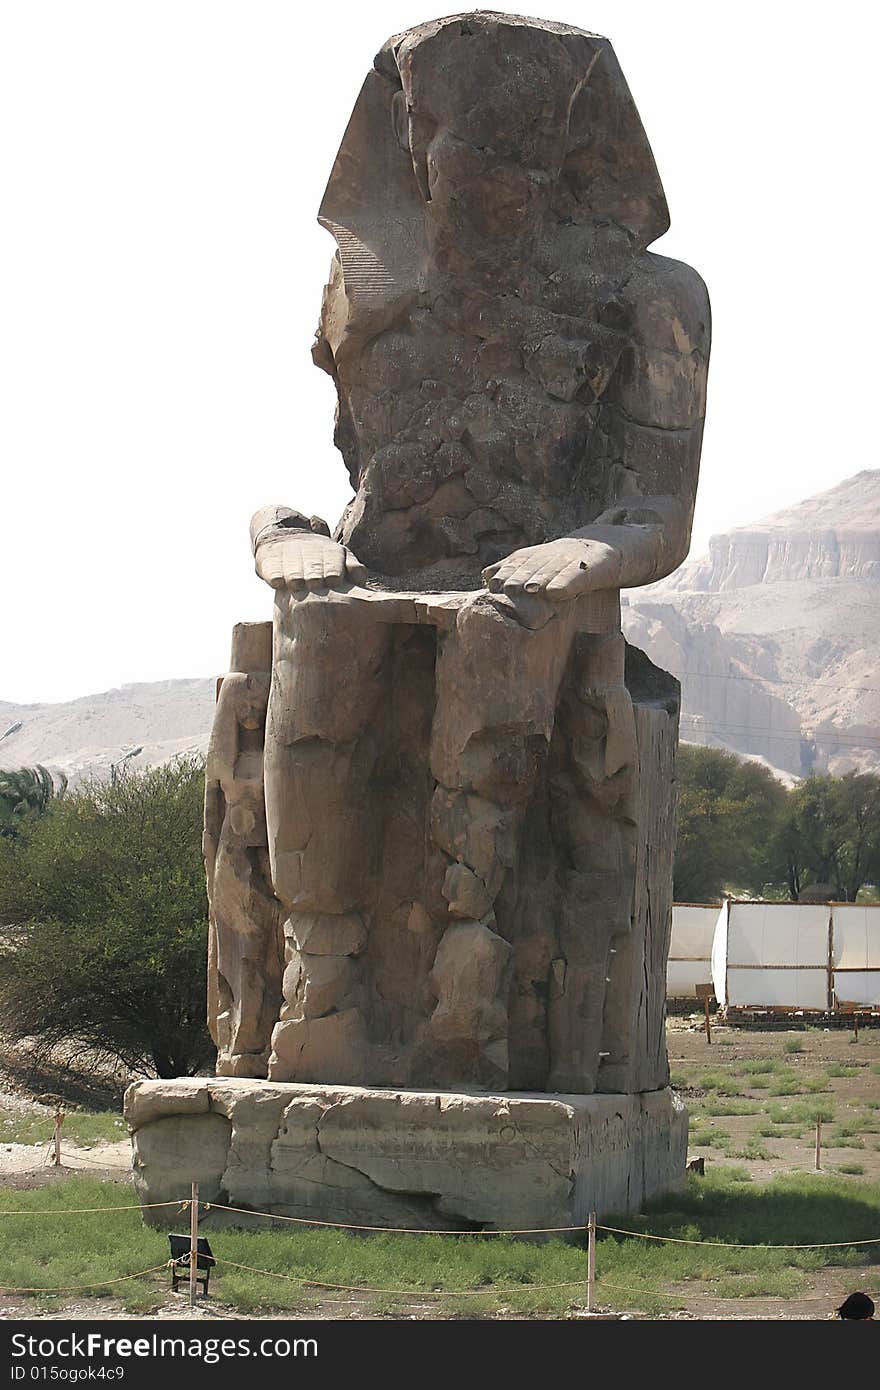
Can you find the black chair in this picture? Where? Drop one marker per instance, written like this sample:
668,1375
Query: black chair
180,1247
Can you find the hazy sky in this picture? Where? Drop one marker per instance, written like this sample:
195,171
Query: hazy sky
161,164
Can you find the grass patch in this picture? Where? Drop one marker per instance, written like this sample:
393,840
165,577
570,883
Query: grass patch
80,1127
730,1107
794,1044
801,1112
721,1082
854,1169
753,1149
762,1067
778,1283
481,1275
838,1069
710,1139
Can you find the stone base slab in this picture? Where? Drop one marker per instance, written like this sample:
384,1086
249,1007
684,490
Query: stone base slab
434,1160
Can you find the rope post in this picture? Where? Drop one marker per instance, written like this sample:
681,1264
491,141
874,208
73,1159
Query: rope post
56,1138
855,1025
591,1261
193,1243
818,1144
708,1024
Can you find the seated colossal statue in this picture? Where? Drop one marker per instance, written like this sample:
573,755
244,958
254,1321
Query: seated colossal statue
440,803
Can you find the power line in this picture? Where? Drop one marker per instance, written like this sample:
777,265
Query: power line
743,730
781,680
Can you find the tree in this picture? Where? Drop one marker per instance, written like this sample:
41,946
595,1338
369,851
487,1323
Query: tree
831,834
729,813
27,789
104,897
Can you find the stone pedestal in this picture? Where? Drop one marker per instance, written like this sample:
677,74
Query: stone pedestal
433,1160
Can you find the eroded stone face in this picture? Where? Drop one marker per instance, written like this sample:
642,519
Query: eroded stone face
463,795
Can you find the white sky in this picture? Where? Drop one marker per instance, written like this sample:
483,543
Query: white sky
161,165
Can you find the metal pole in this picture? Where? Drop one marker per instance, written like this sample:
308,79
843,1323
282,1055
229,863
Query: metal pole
591,1261
193,1243
708,1025
818,1144
59,1121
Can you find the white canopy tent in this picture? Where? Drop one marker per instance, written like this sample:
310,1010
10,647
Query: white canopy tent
794,957
690,948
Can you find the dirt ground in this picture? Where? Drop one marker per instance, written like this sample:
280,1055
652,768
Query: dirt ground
689,1051
25,1166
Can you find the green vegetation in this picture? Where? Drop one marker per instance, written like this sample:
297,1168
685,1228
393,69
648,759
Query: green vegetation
802,1112
739,830
794,1044
729,1107
753,1149
79,1127
710,1138
475,1273
109,881
26,791
729,812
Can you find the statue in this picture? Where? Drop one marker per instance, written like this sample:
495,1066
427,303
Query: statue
450,806
521,392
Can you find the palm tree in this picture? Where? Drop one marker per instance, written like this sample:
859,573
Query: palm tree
26,789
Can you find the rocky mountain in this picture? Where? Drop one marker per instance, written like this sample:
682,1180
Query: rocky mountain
85,737
773,636
774,633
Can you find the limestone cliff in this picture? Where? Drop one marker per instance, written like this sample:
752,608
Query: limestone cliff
773,634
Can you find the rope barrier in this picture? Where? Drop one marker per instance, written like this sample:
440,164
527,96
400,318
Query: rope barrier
80,1211
184,1202
601,1286
393,1230
733,1245
537,1230
404,1293
92,1284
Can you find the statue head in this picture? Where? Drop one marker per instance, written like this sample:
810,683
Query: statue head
469,134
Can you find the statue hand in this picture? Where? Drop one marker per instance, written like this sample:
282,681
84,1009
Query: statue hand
302,561
559,569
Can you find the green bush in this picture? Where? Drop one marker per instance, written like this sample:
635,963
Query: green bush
105,896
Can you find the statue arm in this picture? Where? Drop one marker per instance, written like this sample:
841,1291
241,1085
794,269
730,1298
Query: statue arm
652,419
654,423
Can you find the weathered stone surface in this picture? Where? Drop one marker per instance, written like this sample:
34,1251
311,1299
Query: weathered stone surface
468,782
244,944
428,1159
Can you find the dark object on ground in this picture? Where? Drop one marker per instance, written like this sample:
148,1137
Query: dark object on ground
857,1307
180,1246
697,1165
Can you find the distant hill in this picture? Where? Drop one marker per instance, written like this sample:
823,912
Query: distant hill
773,635
84,737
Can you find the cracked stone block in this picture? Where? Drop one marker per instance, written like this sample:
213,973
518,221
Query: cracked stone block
426,1159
